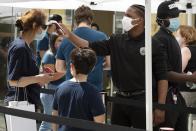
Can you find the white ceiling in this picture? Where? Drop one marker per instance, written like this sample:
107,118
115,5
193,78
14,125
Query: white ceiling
109,5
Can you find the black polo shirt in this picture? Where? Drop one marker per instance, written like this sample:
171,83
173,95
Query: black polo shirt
128,60
21,63
173,52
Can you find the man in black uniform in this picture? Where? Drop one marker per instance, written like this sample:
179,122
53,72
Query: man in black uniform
167,18
127,53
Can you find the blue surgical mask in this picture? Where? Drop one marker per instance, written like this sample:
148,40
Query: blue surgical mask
40,36
174,24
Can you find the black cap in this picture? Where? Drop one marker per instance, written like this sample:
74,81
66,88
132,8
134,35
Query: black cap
55,17
168,9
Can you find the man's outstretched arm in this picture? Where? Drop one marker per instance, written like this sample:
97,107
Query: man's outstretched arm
77,41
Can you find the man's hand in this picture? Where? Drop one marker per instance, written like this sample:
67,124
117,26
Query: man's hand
62,30
57,75
76,41
44,78
159,116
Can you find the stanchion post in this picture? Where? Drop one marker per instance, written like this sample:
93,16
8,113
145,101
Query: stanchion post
189,11
148,65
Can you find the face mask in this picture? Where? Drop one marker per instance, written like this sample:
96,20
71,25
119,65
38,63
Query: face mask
174,24
40,36
54,33
127,23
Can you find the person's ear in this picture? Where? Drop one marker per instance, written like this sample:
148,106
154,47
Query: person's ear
166,23
185,40
34,26
90,21
142,21
72,67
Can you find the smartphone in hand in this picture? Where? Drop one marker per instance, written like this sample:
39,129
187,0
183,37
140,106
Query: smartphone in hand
48,70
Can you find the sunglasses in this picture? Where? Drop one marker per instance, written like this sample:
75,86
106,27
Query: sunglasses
44,27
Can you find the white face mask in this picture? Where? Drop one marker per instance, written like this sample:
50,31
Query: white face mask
40,36
54,33
127,23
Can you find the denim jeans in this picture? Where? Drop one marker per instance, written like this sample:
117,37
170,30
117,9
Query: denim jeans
47,101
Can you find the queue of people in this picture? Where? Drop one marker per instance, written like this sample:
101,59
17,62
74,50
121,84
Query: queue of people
72,64
129,77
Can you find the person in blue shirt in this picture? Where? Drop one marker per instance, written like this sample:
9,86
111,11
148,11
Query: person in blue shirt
43,44
48,61
77,98
83,17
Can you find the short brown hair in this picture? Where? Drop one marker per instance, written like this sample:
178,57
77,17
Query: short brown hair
188,32
25,23
83,60
83,14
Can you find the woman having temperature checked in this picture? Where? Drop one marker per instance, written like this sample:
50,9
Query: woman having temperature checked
22,69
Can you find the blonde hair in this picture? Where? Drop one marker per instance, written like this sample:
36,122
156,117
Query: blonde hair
188,32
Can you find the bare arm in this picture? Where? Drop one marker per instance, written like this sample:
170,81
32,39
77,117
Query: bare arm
54,125
107,64
27,80
56,76
181,77
186,55
162,91
42,52
99,119
77,41
159,115
51,66
4,53
60,66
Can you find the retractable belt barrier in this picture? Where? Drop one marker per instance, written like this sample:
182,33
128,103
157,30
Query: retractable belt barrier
89,125
139,104
47,91
78,123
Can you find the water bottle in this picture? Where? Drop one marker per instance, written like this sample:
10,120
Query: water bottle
191,85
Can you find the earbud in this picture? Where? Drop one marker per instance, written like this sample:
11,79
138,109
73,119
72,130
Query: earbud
166,23
163,22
